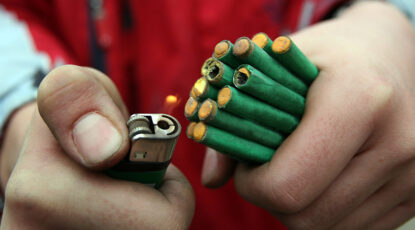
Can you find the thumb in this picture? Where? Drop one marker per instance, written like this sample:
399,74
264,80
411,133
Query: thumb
84,111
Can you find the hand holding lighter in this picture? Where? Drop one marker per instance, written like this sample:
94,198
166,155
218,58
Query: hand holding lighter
153,139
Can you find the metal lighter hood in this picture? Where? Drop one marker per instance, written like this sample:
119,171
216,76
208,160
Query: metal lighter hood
153,137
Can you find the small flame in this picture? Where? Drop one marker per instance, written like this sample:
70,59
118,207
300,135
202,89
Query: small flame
171,99
171,102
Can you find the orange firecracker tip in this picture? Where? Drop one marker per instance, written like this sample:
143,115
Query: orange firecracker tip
207,109
199,131
281,45
190,128
260,39
221,49
224,96
243,47
200,87
202,90
191,106
192,92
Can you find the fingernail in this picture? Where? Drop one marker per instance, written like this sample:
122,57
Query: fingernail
209,166
96,139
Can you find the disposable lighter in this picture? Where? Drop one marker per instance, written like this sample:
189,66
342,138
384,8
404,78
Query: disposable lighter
153,139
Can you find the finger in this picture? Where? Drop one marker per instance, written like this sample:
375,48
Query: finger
217,169
365,175
98,201
85,113
383,201
13,137
395,217
336,124
178,191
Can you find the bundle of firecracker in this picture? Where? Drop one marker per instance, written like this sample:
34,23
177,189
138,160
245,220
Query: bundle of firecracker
250,97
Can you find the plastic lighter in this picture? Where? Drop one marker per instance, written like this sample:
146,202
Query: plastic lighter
153,139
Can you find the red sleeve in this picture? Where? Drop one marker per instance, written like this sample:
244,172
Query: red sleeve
42,20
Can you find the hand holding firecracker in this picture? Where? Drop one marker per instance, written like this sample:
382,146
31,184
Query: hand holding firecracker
250,121
349,164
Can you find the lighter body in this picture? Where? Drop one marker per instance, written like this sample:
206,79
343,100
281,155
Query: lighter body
153,139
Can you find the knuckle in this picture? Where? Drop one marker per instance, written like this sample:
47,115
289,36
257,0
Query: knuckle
378,91
296,223
410,150
58,78
179,221
184,217
404,148
281,195
22,192
65,87
286,198
306,219
174,219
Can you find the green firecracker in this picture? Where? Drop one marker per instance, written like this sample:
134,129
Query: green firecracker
191,108
205,66
263,41
257,84
231,145
202,90
223,52
210,114
219,74
249,53
290,56
245,106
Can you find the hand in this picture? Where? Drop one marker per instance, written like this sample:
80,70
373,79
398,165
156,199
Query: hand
350,164
78,126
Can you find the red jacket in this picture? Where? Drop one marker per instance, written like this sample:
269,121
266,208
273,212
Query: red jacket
152,49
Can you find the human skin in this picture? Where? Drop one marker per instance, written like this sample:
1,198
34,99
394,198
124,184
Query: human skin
55,182
350,163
